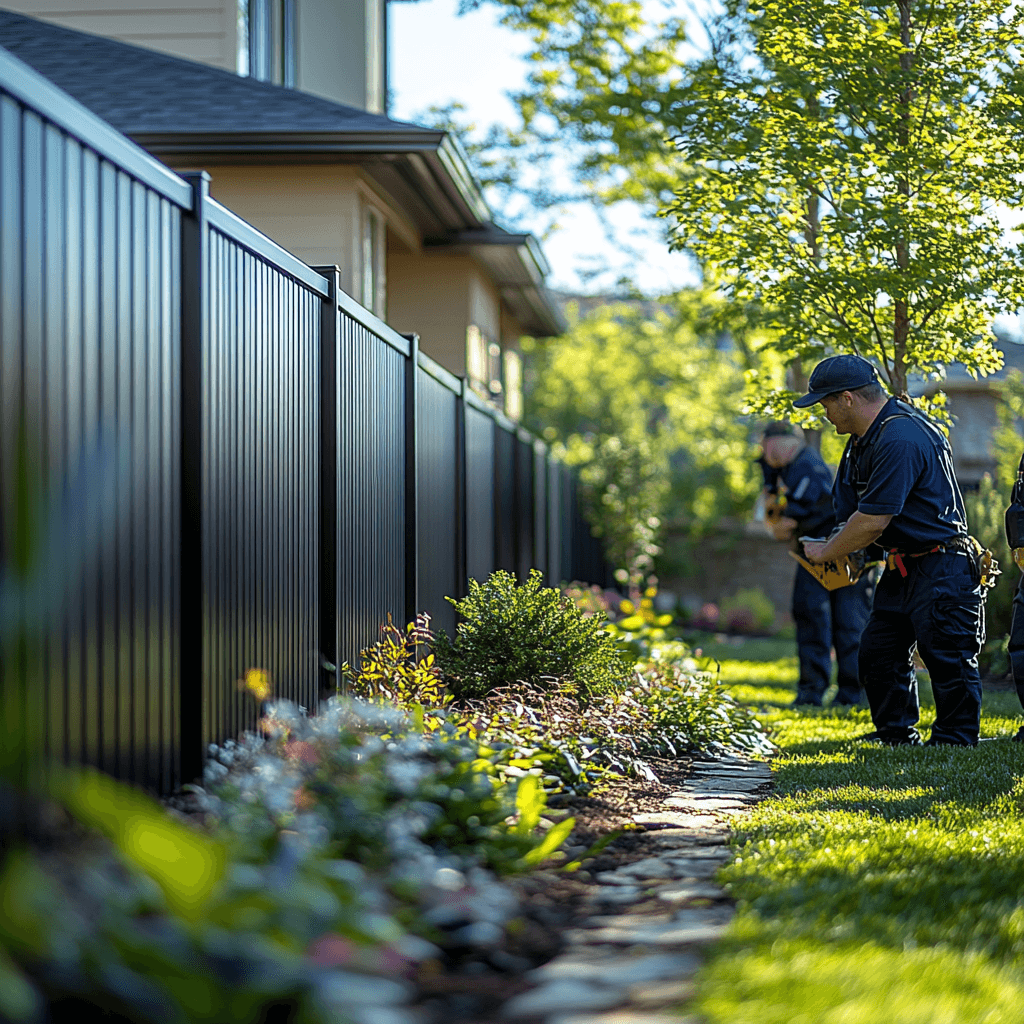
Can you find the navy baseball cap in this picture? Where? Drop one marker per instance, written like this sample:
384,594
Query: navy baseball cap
837,373
780,428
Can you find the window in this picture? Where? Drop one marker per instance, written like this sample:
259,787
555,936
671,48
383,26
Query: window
513,386
374,290
476,356
494,368
266,40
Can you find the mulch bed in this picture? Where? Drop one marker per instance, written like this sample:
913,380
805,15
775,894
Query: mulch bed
471,989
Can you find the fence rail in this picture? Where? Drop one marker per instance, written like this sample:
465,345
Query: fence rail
294,470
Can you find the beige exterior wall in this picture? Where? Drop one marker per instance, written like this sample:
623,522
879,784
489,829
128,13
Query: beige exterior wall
451,305
320,213
340,51
430,295
201,30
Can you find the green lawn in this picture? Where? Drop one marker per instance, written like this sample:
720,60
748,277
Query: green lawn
875,885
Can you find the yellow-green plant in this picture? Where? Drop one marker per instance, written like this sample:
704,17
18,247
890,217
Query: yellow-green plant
399,667
641,626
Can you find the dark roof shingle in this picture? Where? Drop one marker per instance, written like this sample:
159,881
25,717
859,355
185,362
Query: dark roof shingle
141,91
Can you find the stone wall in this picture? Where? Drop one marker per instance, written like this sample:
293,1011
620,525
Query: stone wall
727,562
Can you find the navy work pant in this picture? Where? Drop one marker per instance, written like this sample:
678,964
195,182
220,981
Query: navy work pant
1016,645
826,619
939,611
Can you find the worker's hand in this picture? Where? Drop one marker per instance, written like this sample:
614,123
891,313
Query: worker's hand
813,550
1018,557
783,528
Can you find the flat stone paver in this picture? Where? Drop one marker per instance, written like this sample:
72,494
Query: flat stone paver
637,967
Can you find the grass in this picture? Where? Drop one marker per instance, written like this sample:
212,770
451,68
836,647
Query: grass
875,885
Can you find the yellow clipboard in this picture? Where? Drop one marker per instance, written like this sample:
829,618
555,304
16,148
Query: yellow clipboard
834,574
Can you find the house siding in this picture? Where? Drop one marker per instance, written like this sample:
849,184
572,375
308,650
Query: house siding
204,30
313,211
431,296
341,52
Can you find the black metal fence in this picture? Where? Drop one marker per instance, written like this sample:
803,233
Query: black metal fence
294,470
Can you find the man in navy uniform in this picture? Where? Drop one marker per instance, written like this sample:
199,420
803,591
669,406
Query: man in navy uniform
798,476
895,488
1014,537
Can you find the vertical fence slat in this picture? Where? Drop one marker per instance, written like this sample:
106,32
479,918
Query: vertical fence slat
438,491
296,471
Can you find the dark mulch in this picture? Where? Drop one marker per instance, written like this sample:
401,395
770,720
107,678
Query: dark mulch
472,989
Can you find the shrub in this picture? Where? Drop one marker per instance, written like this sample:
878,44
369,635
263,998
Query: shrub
384,786
708,618
669,708
340,852
527,634
748,611
109,919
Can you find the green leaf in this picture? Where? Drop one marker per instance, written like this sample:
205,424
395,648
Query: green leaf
553,839
185,864
530,802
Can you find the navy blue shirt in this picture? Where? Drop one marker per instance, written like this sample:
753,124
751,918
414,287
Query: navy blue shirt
808,492
903,467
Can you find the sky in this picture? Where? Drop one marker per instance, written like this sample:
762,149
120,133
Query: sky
436,56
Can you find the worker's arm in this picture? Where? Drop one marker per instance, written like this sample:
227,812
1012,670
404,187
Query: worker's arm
858,532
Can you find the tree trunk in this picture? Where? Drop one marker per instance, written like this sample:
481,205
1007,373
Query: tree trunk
901,310
799,379
812,225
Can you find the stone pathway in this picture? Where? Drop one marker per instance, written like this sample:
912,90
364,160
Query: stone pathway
633,960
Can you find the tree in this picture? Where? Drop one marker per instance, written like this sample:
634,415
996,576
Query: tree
603,78
644,402
850,160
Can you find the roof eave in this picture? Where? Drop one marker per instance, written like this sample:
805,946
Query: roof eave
535,309
430,154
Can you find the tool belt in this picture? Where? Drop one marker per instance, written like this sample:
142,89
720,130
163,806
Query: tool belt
983,562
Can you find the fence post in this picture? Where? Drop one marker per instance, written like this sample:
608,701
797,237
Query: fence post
411,484
330,676
461,493
540,507
194,325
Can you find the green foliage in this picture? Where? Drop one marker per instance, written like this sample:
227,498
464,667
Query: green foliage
393,670
511,634
679,701
1007,438
366,771
645,404
876,884
671,707
851,159
111,931
601,83
184,864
